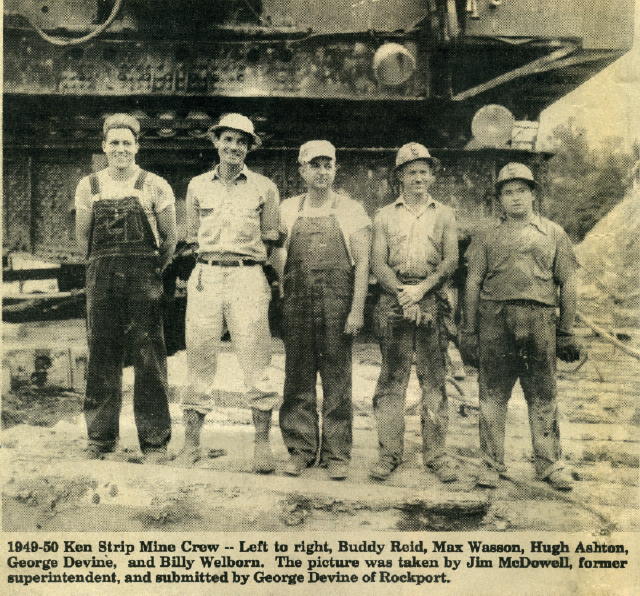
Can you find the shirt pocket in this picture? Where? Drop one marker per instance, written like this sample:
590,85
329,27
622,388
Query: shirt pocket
542,255
246,223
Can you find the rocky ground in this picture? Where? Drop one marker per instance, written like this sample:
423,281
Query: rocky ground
49,486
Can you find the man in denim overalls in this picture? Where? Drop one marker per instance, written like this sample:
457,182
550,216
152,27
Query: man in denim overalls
324,269
126,223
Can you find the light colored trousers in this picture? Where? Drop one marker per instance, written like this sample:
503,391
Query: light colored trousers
239,297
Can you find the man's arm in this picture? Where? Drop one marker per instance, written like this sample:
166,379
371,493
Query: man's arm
270,220
476,271
192,215
412,294
360,248
278,259
568,300
166,220
468,338
83,215
379,254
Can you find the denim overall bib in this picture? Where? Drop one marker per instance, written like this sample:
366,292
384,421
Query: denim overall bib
124,313
318,291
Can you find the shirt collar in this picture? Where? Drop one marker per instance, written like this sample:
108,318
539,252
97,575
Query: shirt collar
431,204
535,221
243,174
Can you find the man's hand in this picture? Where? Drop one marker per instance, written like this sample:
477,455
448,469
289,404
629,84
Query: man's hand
468,345
354,323
408,295
411,313
567,348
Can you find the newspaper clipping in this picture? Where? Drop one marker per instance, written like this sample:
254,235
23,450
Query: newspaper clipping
320,297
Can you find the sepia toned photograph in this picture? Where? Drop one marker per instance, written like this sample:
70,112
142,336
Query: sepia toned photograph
324,283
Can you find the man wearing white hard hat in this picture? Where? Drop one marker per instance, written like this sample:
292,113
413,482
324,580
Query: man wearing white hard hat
519,270
232,221
415,252
324,270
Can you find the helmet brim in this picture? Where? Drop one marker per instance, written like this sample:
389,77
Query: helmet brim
256,141
434,162
532,183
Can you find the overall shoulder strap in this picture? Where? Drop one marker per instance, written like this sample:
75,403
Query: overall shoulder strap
140,181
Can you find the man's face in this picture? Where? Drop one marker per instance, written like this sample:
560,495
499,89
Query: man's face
232,146
120,147
416,177
517,198
319,173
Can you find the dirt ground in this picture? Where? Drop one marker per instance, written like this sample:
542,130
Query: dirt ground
47,485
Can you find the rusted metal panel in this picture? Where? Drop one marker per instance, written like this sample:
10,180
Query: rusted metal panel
53,217
326,16
320,69
16,220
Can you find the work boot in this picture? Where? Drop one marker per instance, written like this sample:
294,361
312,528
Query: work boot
382,469
190,453
156,456
96,450
444,469
487,477
560,480
263,462
295,465
337,470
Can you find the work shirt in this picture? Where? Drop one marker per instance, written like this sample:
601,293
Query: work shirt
518,262
350,215
415,236
233,219
156,194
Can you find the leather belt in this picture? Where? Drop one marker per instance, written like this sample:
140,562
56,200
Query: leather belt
229,263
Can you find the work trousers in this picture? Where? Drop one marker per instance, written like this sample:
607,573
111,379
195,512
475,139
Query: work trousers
399,341
124,313
315,341
518,341
240,297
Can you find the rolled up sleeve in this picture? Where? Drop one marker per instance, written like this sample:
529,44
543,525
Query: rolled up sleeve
164,196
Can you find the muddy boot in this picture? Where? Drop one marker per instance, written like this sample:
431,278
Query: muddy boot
263,462
190,454
156,457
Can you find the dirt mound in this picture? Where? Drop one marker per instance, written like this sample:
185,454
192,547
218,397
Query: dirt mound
609,256
39,406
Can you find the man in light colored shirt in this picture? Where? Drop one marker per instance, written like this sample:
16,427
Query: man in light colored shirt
232,222
519,269
415,251
126,224
324,271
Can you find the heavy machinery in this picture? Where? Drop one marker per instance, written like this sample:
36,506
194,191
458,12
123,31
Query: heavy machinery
366,74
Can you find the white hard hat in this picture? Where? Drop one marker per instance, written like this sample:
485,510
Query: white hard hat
237,122
413,152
